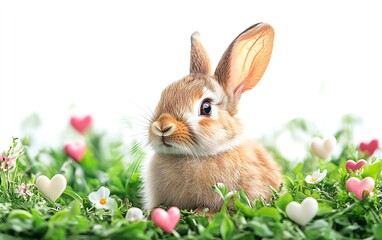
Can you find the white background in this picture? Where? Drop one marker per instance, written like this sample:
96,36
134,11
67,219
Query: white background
111,59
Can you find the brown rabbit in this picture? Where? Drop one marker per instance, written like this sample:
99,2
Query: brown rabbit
197,139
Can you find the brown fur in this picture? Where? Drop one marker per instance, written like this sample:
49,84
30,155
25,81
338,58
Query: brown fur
186,182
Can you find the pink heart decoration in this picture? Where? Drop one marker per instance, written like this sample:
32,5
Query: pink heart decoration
81,124
75,150
351,165
359,187
166,220
370,147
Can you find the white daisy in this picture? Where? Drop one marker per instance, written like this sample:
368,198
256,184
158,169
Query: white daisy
316,177
101,199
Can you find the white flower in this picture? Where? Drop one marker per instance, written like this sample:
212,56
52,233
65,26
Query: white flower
101,199
134,214
316,177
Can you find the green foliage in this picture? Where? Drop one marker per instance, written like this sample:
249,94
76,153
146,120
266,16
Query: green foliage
116,166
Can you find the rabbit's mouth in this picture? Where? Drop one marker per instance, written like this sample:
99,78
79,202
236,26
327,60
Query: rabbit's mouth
164,142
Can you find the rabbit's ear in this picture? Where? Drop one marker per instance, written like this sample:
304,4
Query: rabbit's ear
244,62
200,62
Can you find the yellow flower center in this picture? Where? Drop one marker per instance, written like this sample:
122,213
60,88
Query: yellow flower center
102,201
314,179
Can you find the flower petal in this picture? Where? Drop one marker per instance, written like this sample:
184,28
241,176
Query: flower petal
98,205
110,203
94,197
103,192
308,179
319,180
316,173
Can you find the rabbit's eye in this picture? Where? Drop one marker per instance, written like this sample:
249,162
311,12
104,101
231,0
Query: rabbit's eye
205,108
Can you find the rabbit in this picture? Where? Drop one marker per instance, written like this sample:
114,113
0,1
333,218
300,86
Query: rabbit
197,140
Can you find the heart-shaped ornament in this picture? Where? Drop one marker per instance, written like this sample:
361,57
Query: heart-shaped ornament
370,147
353,166
323,148
359,187
75,150
81,124
304,212
51,188
166,220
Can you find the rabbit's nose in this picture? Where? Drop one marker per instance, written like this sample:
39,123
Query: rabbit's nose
162,129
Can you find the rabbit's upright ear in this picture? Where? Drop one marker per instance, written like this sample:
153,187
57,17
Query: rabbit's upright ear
244,62
200,62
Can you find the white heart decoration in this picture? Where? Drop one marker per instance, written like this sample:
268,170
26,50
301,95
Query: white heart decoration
323,148
52,189
304,212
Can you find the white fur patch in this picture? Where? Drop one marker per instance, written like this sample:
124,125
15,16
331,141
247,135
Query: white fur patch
238,140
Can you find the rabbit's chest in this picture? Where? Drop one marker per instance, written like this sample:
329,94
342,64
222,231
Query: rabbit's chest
189,183
197,173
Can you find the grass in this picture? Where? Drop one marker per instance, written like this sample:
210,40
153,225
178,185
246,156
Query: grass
107,163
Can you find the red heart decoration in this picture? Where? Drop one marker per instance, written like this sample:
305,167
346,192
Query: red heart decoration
358,187
370,147
166,220
351,165
81,124
75,150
